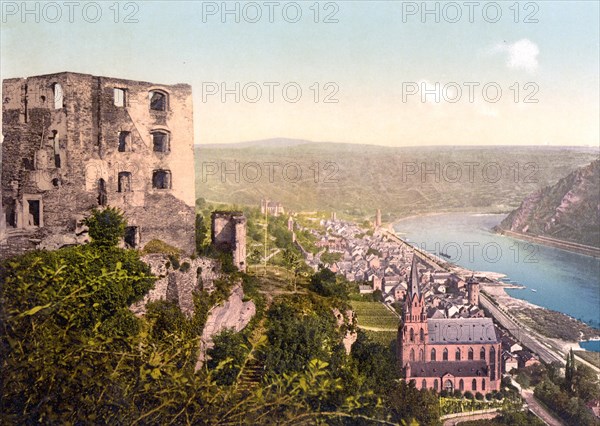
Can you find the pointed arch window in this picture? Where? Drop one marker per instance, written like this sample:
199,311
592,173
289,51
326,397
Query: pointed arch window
412,335
445,355
421,355
461,385
433,354
470,354
435,384
422,335
482,384
458,354
423,384
474,385
412,354
482,354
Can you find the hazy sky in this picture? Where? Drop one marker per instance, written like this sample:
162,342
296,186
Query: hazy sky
374,58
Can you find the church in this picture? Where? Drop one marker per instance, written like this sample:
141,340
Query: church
446,354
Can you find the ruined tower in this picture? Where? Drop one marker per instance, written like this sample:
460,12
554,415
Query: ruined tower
228,234
74,142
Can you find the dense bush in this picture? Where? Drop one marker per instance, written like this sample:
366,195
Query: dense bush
160,247
106,227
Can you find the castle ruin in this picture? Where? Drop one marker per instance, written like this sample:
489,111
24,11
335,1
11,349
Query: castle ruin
74,142
229,235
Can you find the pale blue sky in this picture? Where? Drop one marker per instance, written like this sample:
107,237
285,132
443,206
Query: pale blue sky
369,53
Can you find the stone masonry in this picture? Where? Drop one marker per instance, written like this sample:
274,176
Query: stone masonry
74,142
229,235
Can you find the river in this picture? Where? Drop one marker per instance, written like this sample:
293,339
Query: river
555,279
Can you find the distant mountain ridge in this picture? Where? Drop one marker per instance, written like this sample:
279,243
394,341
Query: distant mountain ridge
262,143
355,180
568,210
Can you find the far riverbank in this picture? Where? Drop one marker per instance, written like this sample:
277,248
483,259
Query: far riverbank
552,242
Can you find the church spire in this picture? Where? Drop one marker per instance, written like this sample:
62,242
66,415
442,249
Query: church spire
413,285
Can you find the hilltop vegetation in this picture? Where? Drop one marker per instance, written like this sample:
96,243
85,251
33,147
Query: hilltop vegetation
568,210
354,180
72,352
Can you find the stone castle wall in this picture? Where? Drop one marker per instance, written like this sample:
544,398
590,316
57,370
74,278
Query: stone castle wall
59,145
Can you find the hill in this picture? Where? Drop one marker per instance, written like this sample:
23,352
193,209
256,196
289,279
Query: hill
354,180
568,210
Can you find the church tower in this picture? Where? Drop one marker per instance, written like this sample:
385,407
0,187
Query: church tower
473,291
413,334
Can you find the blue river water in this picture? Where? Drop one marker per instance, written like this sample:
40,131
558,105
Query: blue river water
555,279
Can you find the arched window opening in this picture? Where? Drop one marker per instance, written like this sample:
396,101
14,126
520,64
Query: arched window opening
435,384
474,385
448,386
102,196
412,354
423,384
158,101
124,141
482,384
433,355
482,354
422,335
461,385
458,354
58,96
470,355
445,355
421,356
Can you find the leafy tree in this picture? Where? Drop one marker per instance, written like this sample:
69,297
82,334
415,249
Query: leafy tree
570,371
66,339
326,283
296,338
375,362
229,351
407,403
106,226
585,383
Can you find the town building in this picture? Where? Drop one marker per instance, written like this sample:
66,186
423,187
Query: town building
448,353
74,142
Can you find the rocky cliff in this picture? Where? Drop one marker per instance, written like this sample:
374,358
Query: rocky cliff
233,314
568,210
